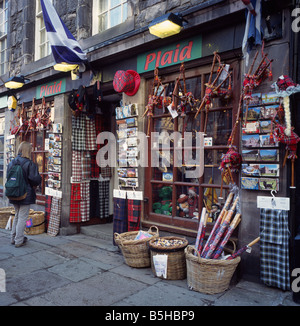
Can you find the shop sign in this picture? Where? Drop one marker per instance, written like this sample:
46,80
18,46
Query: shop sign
50,89
175,53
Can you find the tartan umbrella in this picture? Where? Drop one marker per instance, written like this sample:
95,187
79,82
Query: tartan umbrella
228,234
201,231
243,249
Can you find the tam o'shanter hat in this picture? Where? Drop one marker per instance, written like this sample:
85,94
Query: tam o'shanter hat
126,81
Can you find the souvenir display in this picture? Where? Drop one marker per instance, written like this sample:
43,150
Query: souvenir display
127,124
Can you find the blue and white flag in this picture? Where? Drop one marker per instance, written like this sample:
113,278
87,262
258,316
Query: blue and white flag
253,31
63,44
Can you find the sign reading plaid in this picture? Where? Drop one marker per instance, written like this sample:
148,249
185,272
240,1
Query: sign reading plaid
274,248
134,214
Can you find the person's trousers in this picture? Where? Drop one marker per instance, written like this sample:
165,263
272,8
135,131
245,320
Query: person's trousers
18,227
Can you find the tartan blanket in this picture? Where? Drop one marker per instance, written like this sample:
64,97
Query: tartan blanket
274,248
75,203
134,214
104,198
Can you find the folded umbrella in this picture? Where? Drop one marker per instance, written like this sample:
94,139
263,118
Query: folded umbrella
243,249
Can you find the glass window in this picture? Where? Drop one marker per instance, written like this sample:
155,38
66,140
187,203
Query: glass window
42,45
108,13
3,36
176,197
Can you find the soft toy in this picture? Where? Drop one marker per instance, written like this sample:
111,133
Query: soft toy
183,206
193,201
164,206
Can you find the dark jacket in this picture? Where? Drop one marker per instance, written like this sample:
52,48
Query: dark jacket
33,177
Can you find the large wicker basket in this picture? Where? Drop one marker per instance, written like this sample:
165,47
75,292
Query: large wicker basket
5,213
135,252
38,221
176,262
208,275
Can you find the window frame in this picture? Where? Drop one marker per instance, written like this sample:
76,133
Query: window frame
3,38
39,28
97,14
188,225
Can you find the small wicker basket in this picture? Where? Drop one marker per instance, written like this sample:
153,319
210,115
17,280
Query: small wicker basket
176,262
5,213
38,220
135,252
208,275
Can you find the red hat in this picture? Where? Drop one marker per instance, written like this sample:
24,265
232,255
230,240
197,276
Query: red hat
127,82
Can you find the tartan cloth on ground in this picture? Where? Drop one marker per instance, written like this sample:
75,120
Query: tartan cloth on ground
134,214
90,134
120,217
94,199
47,209
274,248
54,220
75,203
104,198
85,201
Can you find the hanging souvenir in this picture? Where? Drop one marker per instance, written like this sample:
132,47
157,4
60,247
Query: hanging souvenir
212,90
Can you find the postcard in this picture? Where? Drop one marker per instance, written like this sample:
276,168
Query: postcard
269,98
268,184
268,154
251,128
249,183
268,112
266,141
251,170
132,132
265,126
132,173
250,154
269,170
131,142
253,113
122,172
255,99
251,140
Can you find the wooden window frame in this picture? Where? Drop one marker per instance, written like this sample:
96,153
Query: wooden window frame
172,223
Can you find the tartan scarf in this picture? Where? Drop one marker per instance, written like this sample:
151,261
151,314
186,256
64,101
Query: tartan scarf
134,214
120,216
75,203
47,210
274,248
104,198
54,220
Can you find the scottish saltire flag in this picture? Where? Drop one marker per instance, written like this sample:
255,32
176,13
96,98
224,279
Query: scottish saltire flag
63,45
253,30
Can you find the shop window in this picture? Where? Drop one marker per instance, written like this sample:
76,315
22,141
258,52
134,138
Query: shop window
3,36
108,14
42,46
176,198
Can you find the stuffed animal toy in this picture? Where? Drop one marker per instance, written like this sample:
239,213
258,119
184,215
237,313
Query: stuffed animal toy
183,205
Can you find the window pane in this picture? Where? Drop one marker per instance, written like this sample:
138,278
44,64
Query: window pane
1,161
161,199
103,22
103,6
1,179
219,126
116,16
1,143
187,202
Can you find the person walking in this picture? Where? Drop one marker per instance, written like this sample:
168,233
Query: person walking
33,179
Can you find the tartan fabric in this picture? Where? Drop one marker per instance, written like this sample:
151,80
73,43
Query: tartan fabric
47,210
85,201
123,81
54,220
95,169
274,248
90,134
104,198
134,214
78,133
75,203
86,165
76,166
94,199
105,172
120,216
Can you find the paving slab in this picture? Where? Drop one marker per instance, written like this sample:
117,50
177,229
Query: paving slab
33,284
75,270
100,290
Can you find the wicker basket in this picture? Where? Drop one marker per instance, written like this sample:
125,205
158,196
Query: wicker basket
5,213
38,221
176,262
208,275
135,252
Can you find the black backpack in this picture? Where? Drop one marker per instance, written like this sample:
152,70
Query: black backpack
16,184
